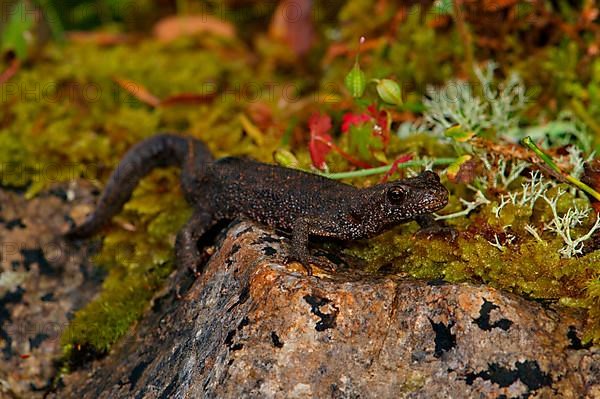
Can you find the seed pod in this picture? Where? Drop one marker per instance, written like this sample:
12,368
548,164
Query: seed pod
389,91
355,81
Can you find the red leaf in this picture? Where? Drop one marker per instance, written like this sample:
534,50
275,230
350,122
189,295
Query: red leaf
379,129
351,119
345,155
381,120
320,140
321,143
319,124
394,168
379,116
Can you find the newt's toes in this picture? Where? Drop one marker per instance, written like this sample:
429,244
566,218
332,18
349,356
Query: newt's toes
318,262
299,266
446,232
323,263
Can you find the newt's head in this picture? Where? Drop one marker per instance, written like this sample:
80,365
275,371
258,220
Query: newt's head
399,201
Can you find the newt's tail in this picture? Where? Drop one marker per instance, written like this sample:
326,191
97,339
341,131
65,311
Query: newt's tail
158,151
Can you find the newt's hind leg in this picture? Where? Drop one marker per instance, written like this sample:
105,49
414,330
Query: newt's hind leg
187,253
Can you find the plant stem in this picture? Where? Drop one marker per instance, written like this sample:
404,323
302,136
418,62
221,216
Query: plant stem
465,35
383,169
528,142
53,20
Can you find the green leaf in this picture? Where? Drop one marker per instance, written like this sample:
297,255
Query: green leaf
285,158
355,81
380,156
52,19
360,137
442,7
457,133
289,131
16,31
389,91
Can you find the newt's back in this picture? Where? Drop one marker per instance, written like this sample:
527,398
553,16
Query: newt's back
272,194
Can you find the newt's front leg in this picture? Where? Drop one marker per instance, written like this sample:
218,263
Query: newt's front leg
187,253
302,229
430,227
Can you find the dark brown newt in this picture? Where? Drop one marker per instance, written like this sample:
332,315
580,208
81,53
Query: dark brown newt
306,204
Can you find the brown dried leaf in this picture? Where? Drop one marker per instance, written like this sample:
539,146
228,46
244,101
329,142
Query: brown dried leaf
511,151
440,22
508,150
591,174
138,91
467,172
98,38
339,49
171,28
589,13
292,24
261,114
496,5
187,98
9,72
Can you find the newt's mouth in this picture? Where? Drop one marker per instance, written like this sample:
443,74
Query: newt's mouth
435,200
429,193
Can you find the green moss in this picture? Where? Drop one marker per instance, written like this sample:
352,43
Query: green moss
122,301
526,266
137,258
64,117
67,120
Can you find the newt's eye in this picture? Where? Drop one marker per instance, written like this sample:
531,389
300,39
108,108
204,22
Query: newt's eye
396,195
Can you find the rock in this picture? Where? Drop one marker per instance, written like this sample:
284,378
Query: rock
250,327
42,282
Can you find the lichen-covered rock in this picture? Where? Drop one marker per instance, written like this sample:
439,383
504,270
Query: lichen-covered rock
42,282
250,327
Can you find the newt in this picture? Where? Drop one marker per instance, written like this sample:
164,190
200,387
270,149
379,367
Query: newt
307,205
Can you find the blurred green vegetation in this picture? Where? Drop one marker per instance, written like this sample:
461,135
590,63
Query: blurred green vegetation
78,101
